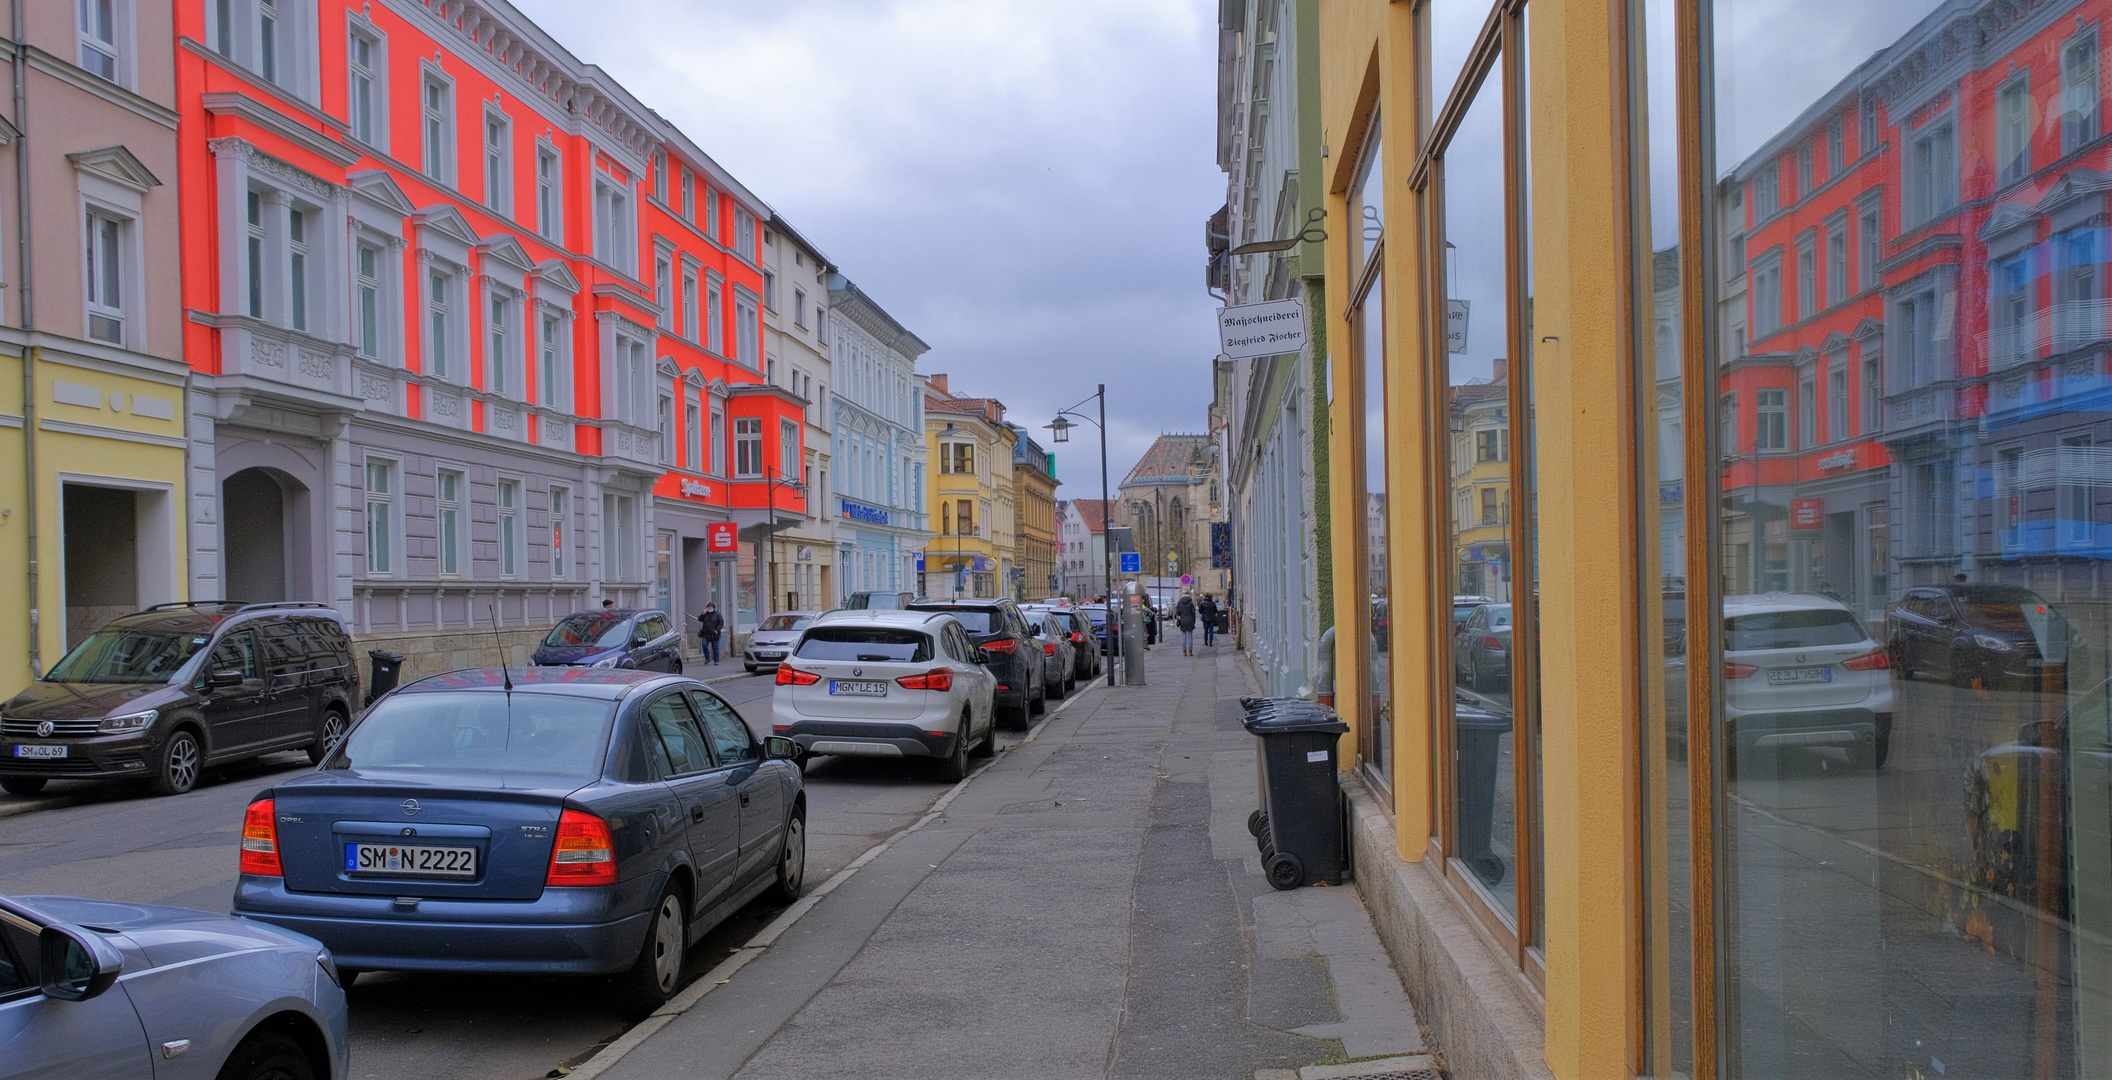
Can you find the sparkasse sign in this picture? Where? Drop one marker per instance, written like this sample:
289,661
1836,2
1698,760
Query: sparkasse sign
1251,330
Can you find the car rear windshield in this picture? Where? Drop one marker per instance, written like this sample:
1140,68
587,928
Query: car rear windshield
868,643
481,732
973,620
786,622
589,628
1790,630
127,656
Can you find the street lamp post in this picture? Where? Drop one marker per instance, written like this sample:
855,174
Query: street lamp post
772,482
1062,429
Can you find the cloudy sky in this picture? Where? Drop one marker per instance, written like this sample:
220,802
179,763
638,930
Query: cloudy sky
1023,185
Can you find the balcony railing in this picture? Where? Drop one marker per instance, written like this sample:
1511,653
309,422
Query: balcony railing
2067,325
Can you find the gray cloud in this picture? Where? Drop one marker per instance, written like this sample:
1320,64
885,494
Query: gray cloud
1023,185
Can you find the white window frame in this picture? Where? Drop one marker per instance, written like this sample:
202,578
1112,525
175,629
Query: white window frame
688,327
714,313
709,220
498,160
106,51
1771,412
2013,128
717,464
747,447
1869,243
507,498
788,448
505,352
451,511
799,307
1837,259
443,291
368,307
1837,418
436,125
109,235
692,435
376,75
390,527
659,167
234,29
747,329
615,224
1929,171
2082,100
299,267
664,426
549,192
560,522
1807,277
664,287
770,290
689,195
553,352
744,234
1767,294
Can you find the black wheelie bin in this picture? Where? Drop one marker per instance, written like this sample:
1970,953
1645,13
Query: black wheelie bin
1300,825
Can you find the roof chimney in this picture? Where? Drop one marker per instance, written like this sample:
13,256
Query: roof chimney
938,382
1498,369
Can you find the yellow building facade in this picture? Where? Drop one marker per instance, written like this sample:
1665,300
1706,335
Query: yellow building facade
970,490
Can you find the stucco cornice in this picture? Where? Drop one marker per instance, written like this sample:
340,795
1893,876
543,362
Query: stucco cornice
249,109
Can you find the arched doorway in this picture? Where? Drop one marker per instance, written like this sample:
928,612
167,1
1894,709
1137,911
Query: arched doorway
253,535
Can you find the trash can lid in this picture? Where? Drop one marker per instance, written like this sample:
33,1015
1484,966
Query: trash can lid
384,654
1472,718
1321,720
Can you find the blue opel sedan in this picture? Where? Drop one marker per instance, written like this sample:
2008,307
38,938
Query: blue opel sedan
585,821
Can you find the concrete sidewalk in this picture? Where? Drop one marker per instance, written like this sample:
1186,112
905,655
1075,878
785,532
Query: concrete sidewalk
1089,906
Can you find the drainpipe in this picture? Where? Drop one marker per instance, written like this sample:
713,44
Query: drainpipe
29,325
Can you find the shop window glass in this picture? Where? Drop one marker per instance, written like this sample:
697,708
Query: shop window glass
1911,726
1367,319
1490,569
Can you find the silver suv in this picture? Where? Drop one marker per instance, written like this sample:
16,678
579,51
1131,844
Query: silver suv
885,683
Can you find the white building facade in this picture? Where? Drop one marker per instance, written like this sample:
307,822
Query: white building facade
1081,547
1263,415
796,357
876,480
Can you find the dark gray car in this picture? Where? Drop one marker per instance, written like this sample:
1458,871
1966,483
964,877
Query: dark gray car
641,639
203,995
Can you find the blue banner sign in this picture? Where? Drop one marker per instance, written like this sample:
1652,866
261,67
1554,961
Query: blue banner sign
862,512
1132,562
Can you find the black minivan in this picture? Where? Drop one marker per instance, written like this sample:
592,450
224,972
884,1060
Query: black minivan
161,694
997,626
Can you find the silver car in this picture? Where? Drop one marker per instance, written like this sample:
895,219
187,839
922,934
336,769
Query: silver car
91,990
773,640
887,683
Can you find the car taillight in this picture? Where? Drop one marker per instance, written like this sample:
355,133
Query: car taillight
1489,642
1003,644
585,853
1077,638
935,679
260,839
787,675
1049,649
1734,670
1874,660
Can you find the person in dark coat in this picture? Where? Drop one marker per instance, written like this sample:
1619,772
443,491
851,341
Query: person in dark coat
710,627
1209,611
1184,617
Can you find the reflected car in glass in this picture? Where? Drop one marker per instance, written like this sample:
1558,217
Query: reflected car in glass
545,821
1481,648
1799,670
884,683
1996,636
773,640
640,638
94,989
1463,606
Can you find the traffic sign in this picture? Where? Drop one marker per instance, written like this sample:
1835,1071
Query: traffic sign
1186,581
1132,562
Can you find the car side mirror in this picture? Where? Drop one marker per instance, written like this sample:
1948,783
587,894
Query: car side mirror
222,680
77,963
779,748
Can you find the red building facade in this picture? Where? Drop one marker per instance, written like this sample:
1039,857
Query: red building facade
1916,374
472,327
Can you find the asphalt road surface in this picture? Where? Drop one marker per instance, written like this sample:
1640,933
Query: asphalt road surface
120,843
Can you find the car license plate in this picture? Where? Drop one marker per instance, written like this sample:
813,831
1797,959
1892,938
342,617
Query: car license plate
857,688
1796,675
411,861
27,751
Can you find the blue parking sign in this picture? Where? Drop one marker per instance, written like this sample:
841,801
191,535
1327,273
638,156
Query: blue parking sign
1132,562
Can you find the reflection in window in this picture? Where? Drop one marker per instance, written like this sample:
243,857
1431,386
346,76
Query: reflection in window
1367,326
1911,727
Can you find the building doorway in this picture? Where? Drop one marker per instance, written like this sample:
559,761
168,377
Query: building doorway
256,541
117,553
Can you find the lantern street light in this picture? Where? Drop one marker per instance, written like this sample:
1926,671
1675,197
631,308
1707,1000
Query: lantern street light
1062,429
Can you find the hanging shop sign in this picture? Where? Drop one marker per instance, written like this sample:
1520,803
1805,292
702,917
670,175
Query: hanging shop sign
1246,331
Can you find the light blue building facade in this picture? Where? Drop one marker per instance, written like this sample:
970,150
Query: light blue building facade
877,412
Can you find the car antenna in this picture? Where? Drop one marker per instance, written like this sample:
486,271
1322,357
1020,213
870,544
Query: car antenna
504,675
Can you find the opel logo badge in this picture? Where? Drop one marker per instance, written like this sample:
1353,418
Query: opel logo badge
411,807
46,728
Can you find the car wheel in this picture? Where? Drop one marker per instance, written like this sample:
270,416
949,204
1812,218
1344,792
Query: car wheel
22,785
268,1055
1058,691
989,744
182,759
750,667
327,735
953,768
677,668
1038,701
791,862
658,970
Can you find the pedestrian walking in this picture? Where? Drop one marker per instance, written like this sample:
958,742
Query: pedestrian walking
710,627
1184,617
1209,611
